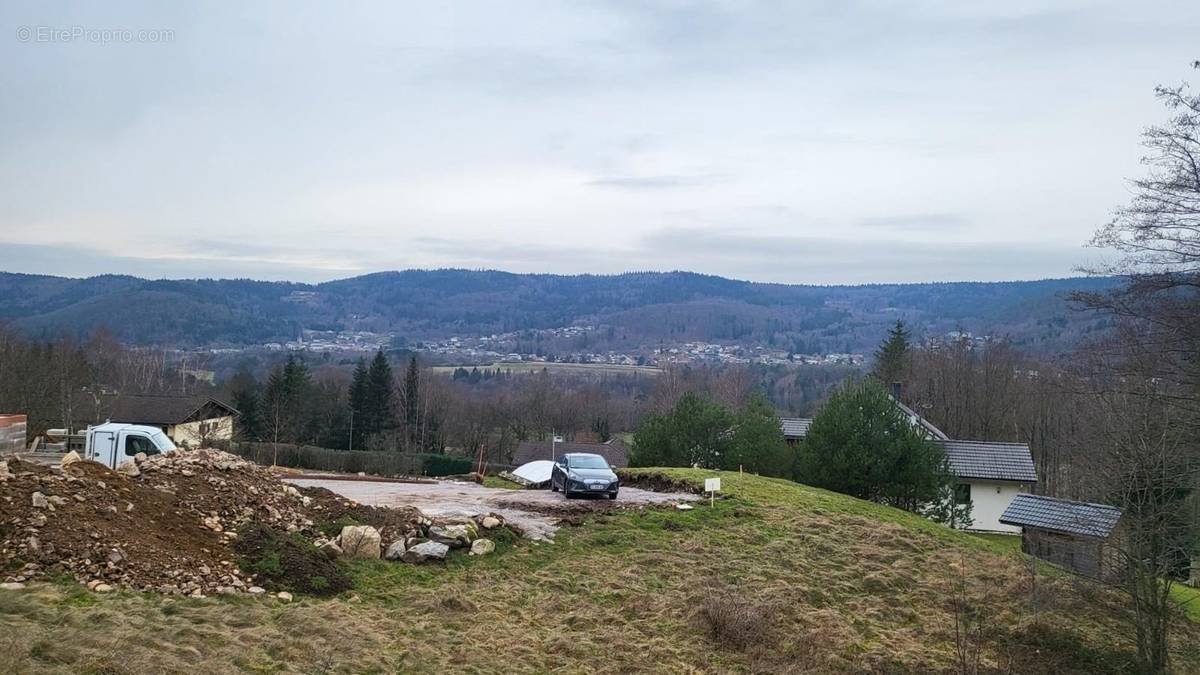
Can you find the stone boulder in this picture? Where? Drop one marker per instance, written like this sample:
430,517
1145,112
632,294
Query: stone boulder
360,541
331,549
490,522
482,546
454,536
129,469
426,552
395,551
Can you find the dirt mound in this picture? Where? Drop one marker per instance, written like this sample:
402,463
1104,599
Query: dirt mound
287,562
657,482
169,528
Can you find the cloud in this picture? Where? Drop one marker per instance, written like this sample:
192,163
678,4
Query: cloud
918,221
655,182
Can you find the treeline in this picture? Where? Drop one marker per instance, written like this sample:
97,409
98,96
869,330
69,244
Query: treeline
54,382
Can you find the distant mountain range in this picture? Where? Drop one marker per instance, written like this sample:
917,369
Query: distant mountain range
635,309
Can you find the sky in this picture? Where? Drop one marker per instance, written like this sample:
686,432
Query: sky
797,142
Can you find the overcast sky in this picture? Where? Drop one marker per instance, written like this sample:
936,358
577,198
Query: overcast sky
794,141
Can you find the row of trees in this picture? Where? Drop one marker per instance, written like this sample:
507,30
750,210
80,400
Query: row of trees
372,411
860,444
700,432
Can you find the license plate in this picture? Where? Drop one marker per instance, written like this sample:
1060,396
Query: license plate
599,486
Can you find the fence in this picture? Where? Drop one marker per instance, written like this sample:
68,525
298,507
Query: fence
355,461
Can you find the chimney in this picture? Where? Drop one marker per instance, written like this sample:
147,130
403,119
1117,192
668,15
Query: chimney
896,390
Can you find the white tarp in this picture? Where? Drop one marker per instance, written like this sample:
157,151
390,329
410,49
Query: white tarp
535,472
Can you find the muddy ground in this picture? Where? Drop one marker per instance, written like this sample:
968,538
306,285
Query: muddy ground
536,513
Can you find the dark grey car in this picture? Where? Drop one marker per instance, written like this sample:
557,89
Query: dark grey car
581,473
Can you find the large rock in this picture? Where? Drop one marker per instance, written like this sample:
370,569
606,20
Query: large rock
426,552
490,522
331,550
129,469
395,551
454,536
360,541
40,501
482,546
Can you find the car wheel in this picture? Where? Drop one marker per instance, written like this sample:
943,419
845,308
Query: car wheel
612,495
552,486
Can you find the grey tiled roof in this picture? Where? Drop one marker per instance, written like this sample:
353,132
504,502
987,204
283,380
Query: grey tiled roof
614,451
990,460
795,427
1061,515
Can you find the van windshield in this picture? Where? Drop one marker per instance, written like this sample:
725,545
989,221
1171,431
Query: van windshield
160,441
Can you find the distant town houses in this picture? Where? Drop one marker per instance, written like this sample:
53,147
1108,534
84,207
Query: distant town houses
554,345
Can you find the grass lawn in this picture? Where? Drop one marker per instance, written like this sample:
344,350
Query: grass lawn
1186,597
776,577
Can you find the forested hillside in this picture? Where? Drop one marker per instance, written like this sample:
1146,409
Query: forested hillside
641,308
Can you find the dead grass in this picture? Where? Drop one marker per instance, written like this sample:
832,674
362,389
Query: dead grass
852,587
736,622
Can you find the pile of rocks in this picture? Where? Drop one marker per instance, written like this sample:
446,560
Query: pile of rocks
432,544
167,522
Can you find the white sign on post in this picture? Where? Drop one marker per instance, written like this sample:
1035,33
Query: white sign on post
712,486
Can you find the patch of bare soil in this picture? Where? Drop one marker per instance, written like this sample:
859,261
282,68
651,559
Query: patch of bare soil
167,525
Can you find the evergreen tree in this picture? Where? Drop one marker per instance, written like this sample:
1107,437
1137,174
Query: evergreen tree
863,445
695,432
758,444
891,358
359,421
380,394
412,407
243,390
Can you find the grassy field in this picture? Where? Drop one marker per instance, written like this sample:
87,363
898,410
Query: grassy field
776,578
561,368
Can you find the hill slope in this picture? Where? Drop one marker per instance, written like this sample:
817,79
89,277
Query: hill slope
798,580
641,308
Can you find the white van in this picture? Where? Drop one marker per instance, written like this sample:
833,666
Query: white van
114,443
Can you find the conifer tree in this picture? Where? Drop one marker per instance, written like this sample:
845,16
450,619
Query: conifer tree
891,359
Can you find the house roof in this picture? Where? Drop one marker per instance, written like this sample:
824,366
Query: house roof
934,432
166,409
990,460
614,451
795,427
1061,515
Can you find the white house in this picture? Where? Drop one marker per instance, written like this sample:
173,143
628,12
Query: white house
990,475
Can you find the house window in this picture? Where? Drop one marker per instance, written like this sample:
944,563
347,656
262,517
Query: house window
962,493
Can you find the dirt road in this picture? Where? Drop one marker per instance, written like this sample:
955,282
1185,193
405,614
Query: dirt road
535,512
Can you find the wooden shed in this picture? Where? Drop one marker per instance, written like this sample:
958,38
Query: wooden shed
1077,536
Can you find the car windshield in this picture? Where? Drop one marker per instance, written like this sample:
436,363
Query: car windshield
161,441
588,462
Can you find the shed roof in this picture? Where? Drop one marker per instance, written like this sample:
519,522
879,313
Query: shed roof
1061,515
795,427
990,460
